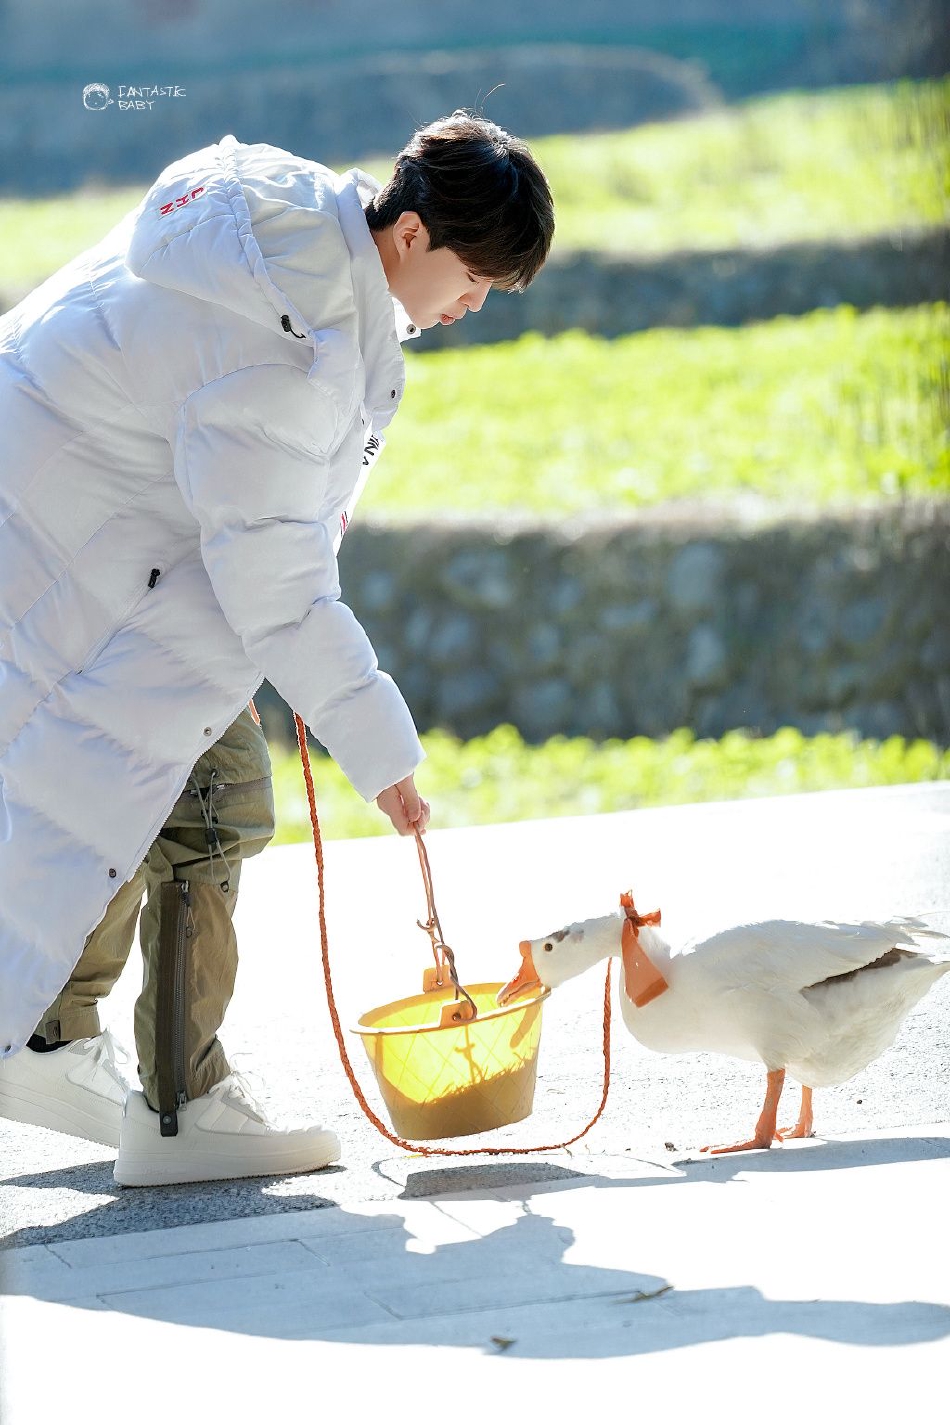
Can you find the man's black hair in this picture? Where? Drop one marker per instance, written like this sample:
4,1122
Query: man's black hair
479,192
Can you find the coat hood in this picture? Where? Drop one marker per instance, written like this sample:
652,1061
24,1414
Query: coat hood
266,234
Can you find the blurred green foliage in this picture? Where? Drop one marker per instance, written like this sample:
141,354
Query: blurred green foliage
826,165
832,407
40,235
499,777
790,167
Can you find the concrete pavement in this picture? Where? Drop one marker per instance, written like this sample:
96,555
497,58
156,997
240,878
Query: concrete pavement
541,1281
813,1278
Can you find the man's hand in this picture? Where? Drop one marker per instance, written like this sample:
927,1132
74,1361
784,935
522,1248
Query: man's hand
405,808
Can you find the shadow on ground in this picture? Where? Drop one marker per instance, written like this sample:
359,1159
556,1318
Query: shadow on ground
510,1291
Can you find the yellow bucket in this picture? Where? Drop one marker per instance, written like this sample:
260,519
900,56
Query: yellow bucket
446,1079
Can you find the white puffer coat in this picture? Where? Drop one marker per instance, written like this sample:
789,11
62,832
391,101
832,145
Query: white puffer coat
184,413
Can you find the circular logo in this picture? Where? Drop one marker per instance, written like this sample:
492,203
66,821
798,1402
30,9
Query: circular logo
96,96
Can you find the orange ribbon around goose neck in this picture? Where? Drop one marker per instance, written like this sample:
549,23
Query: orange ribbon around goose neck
642,981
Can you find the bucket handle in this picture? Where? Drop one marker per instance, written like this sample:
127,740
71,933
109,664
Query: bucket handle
441,953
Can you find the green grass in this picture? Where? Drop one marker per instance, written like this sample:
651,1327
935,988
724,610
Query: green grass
499,777
790,167
794,166
829,408
39,235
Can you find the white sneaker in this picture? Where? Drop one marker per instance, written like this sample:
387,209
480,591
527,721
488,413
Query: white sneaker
78,1089
223,1134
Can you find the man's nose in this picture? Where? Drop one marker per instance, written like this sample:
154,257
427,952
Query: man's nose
475,298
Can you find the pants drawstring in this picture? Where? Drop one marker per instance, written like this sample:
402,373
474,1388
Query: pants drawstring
210,818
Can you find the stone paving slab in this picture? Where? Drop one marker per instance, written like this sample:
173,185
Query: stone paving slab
757,1273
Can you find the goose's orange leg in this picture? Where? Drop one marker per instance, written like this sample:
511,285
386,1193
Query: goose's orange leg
765,1128
804,1127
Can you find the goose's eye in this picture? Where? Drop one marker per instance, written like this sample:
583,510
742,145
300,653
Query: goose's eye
548,945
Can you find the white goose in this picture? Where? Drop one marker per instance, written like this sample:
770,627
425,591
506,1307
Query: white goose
818,1001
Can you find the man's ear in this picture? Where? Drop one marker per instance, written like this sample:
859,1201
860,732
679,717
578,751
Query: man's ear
408,230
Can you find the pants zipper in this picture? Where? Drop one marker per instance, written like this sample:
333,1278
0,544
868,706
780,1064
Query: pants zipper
170,1029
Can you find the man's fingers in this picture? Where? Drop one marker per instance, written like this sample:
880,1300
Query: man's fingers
402,803
417,808
410,799
391,805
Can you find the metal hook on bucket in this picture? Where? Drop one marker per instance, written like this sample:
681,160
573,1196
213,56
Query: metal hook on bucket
442,953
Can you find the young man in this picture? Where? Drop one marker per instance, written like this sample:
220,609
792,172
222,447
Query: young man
190,411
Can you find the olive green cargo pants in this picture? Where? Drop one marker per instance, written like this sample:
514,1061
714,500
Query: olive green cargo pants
190,882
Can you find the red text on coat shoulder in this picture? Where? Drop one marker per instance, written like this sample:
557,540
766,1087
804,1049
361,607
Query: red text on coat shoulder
167,208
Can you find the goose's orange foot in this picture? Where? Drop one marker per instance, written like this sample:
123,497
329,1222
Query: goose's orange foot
765,1128
803,1128
757,1142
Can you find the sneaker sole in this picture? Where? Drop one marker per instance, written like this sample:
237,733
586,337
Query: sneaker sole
19,1105
160,1169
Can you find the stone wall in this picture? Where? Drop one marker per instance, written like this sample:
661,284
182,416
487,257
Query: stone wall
38,35
611,295
338,81
321,109
614,294
646,623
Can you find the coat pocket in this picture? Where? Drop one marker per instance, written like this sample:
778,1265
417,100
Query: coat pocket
117,620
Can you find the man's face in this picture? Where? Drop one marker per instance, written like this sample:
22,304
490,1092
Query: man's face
434,286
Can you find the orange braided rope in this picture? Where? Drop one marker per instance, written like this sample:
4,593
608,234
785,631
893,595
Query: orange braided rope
374,1118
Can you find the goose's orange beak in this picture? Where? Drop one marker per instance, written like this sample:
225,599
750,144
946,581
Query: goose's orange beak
526,978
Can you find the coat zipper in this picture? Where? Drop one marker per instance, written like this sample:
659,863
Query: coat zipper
92,653
170,1048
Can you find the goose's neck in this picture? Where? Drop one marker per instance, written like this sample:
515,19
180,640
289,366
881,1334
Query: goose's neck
604,938
654,946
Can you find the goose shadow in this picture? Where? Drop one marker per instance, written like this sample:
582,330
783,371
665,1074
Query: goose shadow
343,1276
812,1155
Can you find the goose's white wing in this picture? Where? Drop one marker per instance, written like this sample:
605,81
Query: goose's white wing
793,954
